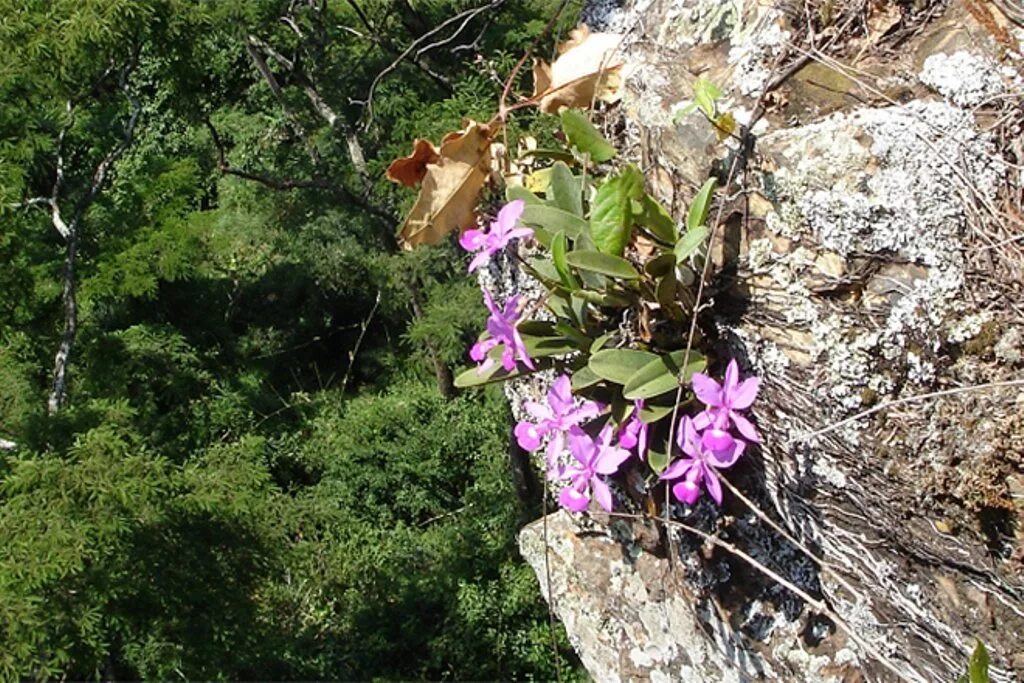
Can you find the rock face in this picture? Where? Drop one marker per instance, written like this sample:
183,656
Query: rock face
873,256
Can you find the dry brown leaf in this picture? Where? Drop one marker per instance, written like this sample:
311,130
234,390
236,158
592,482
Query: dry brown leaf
883,15
451,187
587,69
409,171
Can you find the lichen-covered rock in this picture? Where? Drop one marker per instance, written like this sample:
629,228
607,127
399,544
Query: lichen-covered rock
852,280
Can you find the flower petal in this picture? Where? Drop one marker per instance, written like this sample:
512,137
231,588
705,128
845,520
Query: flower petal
528,436
714,486
560,395
609,460
519,234
686,491
538,411
745,427
472,240
717,440
678,469
732,377
581,445
508,216
479,260
745,393
702,420
571,499
602,494
727,458
707,390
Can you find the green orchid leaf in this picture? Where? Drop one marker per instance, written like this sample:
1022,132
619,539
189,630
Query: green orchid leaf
603,298
514,192
659,266
605,264
656,219
662,375
556,154
701,206
559,247
564,190
584,378
689,243
553,220
619,365
977,668
611,213
584,136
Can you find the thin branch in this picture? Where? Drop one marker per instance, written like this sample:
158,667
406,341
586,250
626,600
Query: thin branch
470,13
903,401
359,342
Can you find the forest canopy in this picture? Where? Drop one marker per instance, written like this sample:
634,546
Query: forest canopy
229,442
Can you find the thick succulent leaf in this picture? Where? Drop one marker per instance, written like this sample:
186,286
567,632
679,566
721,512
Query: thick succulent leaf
584,377
701,206
564,190
605,264
611,213
603,298
514,192
553,220
559,248
584,136
689,243
662,375
619,365
656,219
660,265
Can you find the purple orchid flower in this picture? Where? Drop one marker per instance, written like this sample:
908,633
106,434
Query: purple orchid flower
593,458
701,463
723,402
634,431
503,230
502,328
557,417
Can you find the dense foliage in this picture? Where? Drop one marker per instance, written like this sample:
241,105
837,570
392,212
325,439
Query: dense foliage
254,468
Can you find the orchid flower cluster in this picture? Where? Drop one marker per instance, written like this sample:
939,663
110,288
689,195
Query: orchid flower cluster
599,444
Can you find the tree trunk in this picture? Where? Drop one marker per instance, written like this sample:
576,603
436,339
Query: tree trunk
59,390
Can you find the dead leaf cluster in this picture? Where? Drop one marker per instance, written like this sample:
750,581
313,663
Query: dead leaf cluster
587,69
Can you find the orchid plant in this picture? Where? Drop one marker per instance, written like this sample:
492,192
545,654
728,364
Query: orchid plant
608,252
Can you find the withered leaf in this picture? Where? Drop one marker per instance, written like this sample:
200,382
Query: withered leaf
451,187
588,68
409,171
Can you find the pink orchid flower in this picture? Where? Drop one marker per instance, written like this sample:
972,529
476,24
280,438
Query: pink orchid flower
723,402
557,417
503,230
701,464
501,325
593,458
633,432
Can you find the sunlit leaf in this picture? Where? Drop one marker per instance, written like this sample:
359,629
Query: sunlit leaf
618,365
584,136
611,215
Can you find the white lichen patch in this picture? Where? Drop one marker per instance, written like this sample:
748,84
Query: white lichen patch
755,47
967,79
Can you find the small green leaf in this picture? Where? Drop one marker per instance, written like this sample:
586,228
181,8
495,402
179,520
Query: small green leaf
657,459
514,192
603,298
660,265
705,94
652,412
583,378
557,154
657,220
605,264
590,280
689,243
559,247
662,375
978,667
618,365
582,134
611,213
544,270
495,373
665,292
553,220
599,343
701,206
564,190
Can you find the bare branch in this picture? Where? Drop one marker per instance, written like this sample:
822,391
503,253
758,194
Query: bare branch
6,445
467,15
